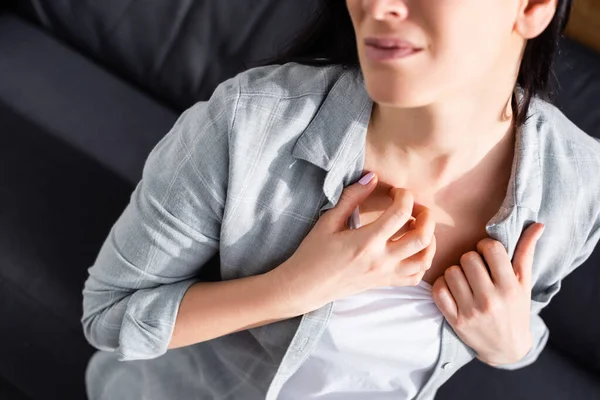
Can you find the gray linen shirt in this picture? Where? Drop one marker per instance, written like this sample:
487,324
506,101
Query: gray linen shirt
248,173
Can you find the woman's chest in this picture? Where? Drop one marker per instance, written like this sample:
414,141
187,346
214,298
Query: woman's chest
460,224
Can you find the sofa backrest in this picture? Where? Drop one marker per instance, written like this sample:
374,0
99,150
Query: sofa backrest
577,70
178,50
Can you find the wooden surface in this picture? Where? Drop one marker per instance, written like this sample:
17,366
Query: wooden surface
584,24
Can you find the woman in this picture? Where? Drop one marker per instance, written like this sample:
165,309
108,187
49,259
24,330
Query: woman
338,289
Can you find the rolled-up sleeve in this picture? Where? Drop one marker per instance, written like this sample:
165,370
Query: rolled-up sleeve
168,231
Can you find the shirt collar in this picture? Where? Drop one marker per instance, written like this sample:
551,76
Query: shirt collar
343,115
335,138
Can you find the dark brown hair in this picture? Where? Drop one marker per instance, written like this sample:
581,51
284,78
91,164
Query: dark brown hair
329,38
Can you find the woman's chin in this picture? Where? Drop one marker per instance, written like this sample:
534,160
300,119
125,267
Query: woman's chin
401,96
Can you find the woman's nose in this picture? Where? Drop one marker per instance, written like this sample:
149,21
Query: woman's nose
386,9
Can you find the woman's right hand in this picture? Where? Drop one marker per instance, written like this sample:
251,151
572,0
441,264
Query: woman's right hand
334,261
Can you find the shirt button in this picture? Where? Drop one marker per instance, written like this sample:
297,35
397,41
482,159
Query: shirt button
447,366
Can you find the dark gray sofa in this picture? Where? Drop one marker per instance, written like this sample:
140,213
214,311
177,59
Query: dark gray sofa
87,88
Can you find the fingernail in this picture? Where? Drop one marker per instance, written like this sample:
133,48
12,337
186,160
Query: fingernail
367,178
541,231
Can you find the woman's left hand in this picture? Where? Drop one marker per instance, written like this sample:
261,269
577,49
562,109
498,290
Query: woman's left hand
491,313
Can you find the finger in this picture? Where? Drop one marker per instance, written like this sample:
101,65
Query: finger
497,260
477,274
460,289
418,208
444,301
415,240
394,217
407,227
419,262
351,197
429,251
524,253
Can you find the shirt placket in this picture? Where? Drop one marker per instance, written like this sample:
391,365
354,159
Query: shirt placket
311,327
445,365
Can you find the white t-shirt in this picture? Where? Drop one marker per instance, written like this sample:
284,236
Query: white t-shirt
379,344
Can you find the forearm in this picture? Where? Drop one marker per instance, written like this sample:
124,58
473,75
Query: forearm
209,310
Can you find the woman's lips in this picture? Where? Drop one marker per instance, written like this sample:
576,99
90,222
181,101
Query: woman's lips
382,49
382,54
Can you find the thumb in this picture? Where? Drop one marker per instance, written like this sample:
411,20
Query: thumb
523,257
351,197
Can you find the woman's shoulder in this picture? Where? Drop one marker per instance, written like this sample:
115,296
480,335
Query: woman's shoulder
569,160
558,134
568,155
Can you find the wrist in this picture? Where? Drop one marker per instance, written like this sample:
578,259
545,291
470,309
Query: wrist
285,296
503,359
485,362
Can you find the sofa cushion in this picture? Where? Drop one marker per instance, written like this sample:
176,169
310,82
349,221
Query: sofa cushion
56,207
571,318
552,376
178,49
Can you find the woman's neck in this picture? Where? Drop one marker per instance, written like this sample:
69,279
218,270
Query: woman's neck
444,140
